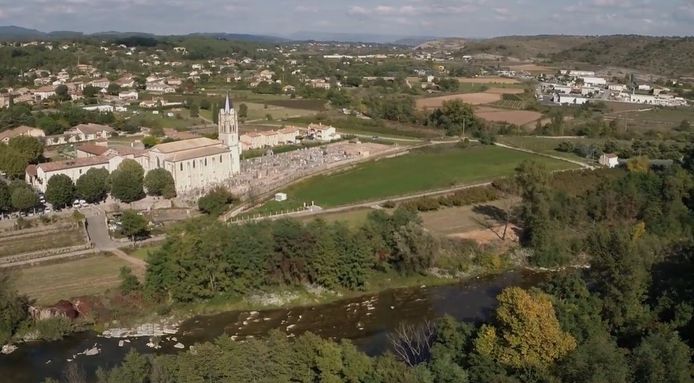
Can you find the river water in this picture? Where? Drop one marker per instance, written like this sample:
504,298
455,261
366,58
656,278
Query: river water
365,320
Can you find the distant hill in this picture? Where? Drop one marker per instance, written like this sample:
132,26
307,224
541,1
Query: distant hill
359,38
657,55
242,37
12,33
669,56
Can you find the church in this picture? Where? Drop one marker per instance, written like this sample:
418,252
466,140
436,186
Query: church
195,164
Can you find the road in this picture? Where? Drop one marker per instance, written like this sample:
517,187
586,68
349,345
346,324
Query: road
98,233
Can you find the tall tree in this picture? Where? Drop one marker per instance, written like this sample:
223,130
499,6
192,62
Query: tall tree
30,147
127,181
134,225
527,333
92,186
24,199
60,191
160,182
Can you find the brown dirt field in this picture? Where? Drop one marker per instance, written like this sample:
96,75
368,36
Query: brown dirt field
493,234
517,117
488,80
468,98
505,91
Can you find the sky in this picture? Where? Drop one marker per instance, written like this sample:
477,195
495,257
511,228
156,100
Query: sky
454,18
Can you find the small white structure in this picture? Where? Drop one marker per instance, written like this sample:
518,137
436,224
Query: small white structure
594,81
323,133
281,197
610,160
570,99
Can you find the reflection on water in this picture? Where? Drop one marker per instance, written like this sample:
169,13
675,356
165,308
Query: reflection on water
365,320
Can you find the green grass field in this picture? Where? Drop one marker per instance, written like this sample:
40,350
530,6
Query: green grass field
41,241
548,145
422,170
49,283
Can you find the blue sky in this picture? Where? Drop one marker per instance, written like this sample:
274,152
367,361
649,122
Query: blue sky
465,18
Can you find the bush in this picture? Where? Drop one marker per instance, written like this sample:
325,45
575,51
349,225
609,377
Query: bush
215,202
52,329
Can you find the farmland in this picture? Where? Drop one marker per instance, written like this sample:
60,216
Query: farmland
421,170
51,282
488,80
516,117
468,98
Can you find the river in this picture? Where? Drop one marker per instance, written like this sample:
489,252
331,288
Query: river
365,320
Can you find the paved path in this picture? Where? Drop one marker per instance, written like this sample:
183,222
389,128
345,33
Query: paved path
98,233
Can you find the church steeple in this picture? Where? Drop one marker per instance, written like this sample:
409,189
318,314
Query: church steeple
228,105
228,125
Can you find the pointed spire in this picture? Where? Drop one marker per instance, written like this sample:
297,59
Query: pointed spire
227,106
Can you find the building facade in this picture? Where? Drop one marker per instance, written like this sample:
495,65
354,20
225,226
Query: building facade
196,164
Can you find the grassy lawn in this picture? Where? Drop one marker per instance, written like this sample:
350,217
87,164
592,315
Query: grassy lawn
143,252
427,169
353,218
258,111
548,145
41,241
51,282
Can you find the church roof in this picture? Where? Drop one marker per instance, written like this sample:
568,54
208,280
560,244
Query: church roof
228,104
177,146
198,153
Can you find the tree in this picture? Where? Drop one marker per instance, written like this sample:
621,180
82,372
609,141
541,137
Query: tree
194,110
127,181
684,126
5,197
60,191
595,361
133,224
662,357
29,147
527,333
61,92
12,162
216,201
243,111
456,117
639,164
23,199
90,91
92,186
128,281
160,182
113,89
13,309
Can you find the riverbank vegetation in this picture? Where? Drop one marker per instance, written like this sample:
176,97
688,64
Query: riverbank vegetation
626,319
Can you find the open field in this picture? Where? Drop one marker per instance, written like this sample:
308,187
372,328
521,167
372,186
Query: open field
547,145
532,68
517,117
51,282
353,218
488,80
456,220
41,241
468,98
421,170
505,90
143,252
257,111
652,118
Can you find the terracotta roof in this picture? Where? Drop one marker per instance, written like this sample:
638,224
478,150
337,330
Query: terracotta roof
269,133
47,88
93,128
31,170
195,143
176,135
76,163
252,134
94,149
126,151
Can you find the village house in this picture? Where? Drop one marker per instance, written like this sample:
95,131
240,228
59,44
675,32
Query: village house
610,160
91,149
44,93
128,96
160,87
7,135
101,83
323,133
81,133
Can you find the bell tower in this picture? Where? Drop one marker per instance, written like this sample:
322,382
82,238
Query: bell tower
228,127
228,124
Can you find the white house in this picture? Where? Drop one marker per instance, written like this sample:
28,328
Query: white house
160,87
128,96
322,132
570,99
610,160
594,81
44,92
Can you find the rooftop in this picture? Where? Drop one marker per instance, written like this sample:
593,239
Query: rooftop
70,164
199,152
177,146
94,149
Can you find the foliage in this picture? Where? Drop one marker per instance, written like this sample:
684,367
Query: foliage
527,333
60,191
127,181
92,186
216,201
160,182
134,225
29,147
456,118
203,259
23,198
128,281
13,309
